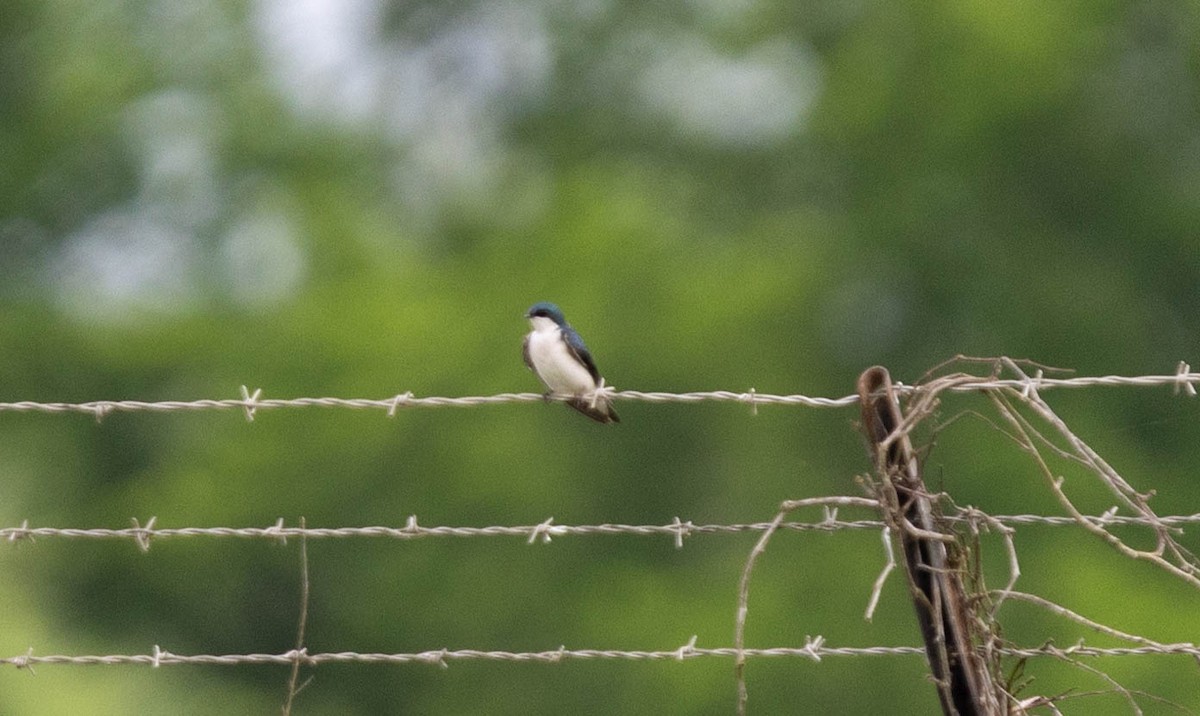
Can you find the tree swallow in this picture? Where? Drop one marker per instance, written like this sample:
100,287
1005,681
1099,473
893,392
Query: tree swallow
556,353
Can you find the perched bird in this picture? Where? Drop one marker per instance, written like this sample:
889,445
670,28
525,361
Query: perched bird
556,353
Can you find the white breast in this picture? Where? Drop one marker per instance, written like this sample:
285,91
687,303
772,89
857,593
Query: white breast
555,365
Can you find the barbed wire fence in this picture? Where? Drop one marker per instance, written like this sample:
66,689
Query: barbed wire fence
1018,404
1184,380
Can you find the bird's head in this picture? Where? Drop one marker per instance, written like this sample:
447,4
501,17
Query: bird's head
545,314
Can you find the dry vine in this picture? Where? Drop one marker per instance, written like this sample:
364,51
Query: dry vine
957,611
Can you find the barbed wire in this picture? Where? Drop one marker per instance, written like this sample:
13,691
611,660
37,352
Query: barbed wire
252,401
545,531
1183,380
814,649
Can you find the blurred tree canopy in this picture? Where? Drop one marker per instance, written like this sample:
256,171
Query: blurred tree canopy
362,197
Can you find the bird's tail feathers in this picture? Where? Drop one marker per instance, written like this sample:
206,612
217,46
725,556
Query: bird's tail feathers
602,412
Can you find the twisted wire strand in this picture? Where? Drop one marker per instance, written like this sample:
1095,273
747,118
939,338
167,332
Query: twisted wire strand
815,650
544,531
1185,379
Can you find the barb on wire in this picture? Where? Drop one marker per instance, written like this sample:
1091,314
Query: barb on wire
251,402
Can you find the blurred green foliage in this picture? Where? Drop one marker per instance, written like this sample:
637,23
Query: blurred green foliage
361,198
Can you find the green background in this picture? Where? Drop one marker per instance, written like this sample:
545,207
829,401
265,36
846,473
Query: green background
362,198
